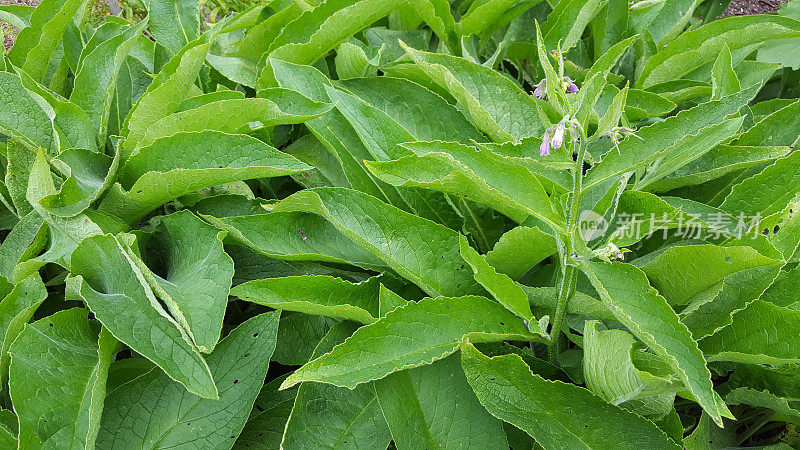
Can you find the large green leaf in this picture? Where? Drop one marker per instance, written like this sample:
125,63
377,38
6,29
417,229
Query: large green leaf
16,309
498,284
326,416
545,409
22,116
165,94
487,95
411,402
279,107
296,236
166,415
762,333
37,43
59,399
88,174
661,135
118,294
610,371
648,316
681,272
737,291
334,130
191,267
315,294
367,221
694,48
412,335
566,23
174,23
750,196
184,162
315,32
404,102
96,80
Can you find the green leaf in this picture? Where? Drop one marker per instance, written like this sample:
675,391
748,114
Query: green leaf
485,94
723,78
690,148
72,126
648,316
499,285
27,239
280,107
169,88
402,100
774,129
88,174
296,237
762,333
96,80
410,336
611,372
566,23
191,267
750,196
705,317
315,294
264,427
174,23
184,162
60,398
118,294
171,417
717,162
506,387
519,249
22,116
479,175
661,135
681,272
37,43
433,263
695,48
316,32
334,130
16,309
411,402
326,416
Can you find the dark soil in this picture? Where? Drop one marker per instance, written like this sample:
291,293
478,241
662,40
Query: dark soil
748,7
9,32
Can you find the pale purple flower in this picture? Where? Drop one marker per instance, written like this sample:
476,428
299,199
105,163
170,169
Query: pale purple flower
558,135
571,87
541,90
544,149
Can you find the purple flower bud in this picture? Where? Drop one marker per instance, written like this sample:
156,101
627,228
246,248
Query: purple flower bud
544,149
572,88
527,325
558,135
541,89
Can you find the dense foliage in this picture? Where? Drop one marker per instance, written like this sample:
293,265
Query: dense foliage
400,223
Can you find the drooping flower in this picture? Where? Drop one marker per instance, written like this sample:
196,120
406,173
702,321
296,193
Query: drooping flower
569,85
544,149
558,135
541,89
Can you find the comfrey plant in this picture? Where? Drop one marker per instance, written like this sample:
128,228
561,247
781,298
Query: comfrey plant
400,224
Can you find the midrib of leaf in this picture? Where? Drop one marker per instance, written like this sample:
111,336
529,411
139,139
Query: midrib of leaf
347,428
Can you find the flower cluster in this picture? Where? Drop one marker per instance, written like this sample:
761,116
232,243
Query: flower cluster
567,85
554,136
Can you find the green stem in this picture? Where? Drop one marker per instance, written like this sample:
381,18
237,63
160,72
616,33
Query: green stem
566,289
569,273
